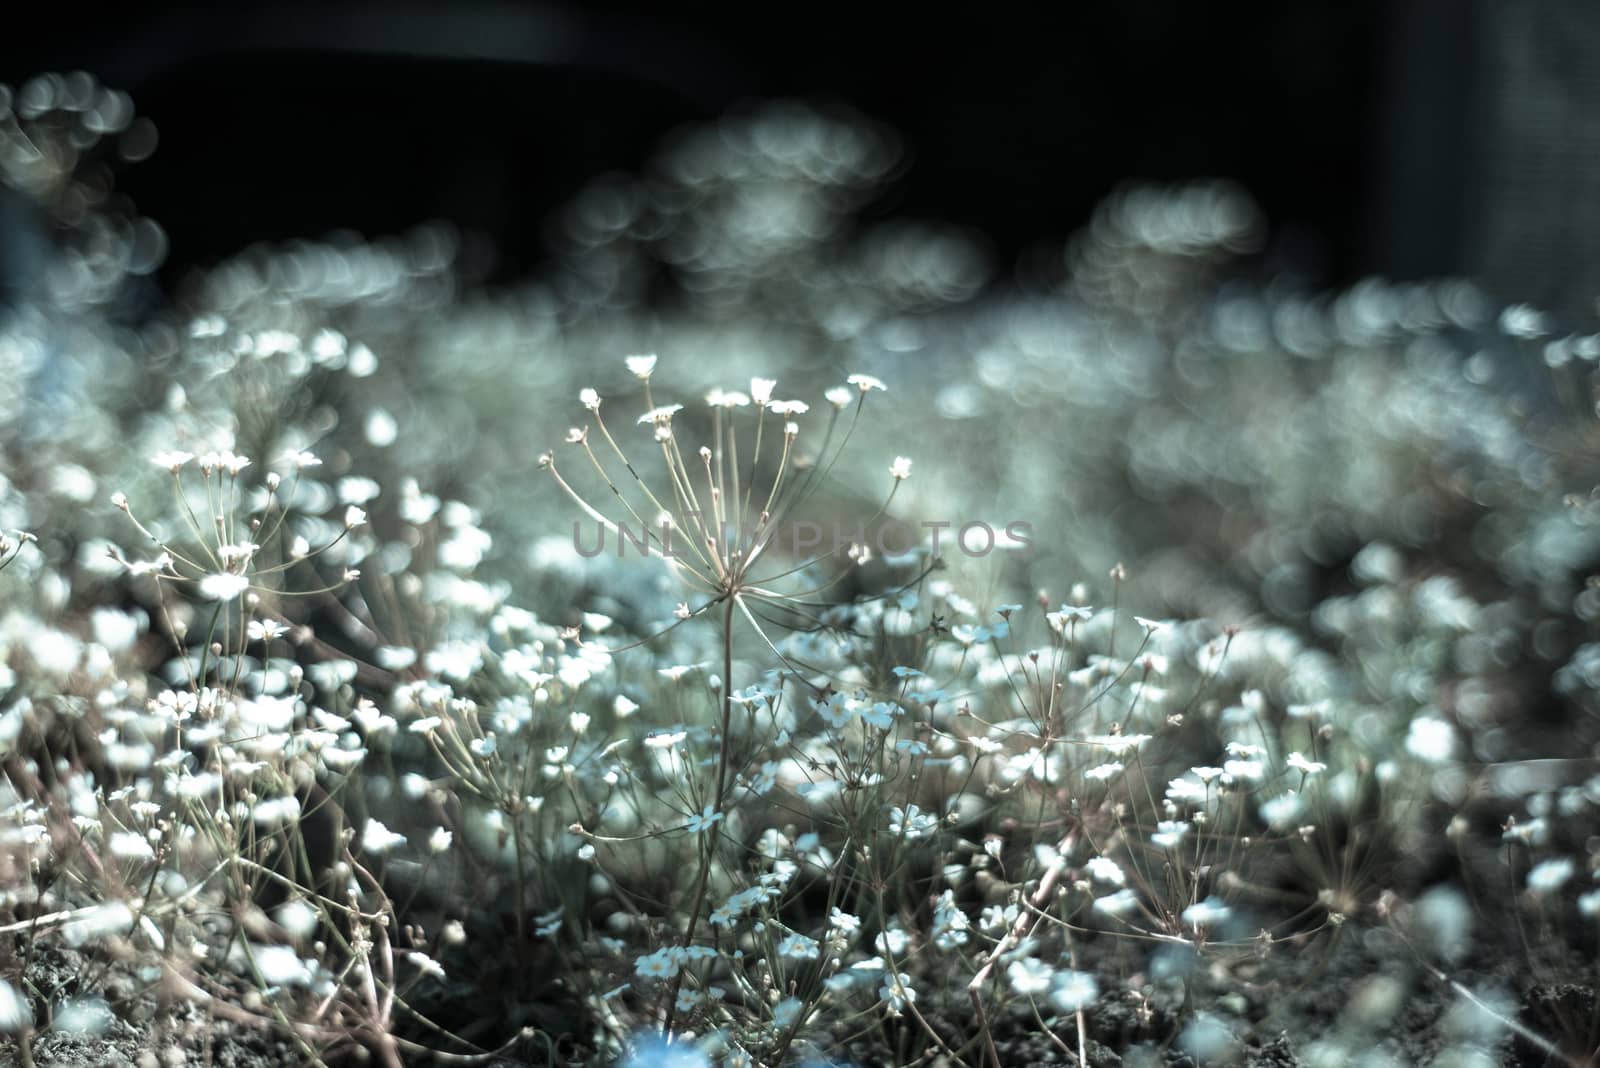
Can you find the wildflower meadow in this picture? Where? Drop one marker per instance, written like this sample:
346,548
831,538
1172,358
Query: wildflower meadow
771,635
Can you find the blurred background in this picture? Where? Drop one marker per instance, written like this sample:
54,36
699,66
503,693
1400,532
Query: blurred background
1411,139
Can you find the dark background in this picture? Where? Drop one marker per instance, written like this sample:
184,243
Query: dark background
1367,131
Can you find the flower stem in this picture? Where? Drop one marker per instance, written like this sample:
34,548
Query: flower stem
711,831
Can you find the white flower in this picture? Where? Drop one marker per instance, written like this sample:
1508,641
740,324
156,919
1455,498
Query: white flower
265,630
896,990
1074,991
1206,913
223,586
378,839
1548,876
1305,767
911,822
16,1014
866,383
703,820
662,964
788,407
589,399
172,459
1589,904
838,396
1106,870
661,415
761,390
1244,771
129,845
665,739
1029,976
439,841
1169,833
901,468
1281,811
1186,792
799,947
300,460
1118,743
724,398
1431,740
354,516
230,462
641,366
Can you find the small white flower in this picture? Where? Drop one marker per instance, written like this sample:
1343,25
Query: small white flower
703,820
1118,743
589,399
799,947
1074,990
788,407
16,1014
1548,876
761,390
866,383
665,739
641,366
723,398
1186,792
1106,870
660,415
896,990
838,396
265,630
129,845
354,516
1029,976
300,460
378,839
1305,767
222,586
1431,740
172,459
439,841
901,468
1206,913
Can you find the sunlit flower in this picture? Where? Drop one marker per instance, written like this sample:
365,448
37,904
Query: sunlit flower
641,366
